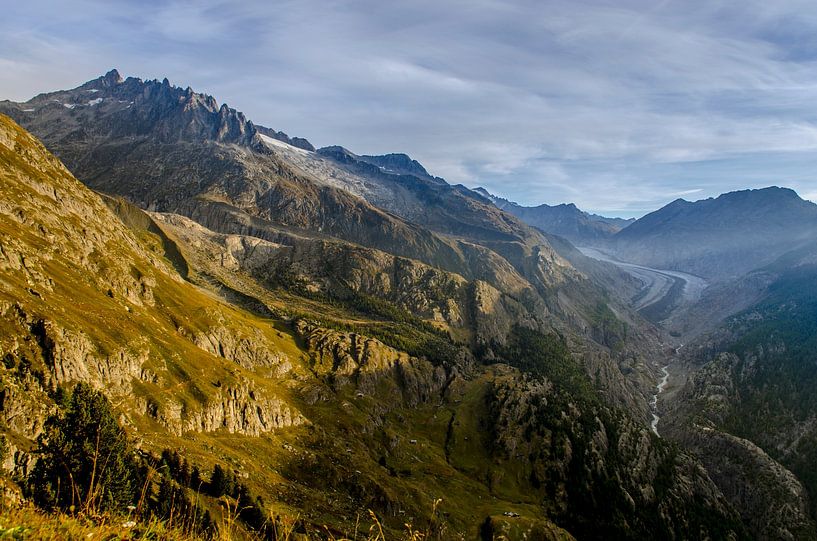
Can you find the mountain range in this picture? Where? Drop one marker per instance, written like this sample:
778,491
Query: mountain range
348,333
566,220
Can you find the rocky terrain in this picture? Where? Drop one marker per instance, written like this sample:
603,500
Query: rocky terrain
747,408
350,333
252,185
338,356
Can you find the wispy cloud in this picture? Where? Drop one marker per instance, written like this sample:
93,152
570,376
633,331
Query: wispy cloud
617,106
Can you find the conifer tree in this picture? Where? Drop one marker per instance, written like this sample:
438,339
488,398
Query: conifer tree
85,458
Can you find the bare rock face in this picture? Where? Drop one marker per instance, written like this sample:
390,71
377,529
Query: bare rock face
352,358
248,350
241,410
71,356
24,406
18,463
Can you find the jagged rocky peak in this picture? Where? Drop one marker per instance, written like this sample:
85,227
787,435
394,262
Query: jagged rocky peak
133,107
112,78
109,80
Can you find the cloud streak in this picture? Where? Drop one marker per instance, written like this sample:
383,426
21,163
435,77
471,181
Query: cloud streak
616,106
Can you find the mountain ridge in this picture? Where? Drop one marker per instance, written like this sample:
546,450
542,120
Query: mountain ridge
720,237
566,220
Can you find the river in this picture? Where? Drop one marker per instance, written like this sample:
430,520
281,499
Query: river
676,289
662,384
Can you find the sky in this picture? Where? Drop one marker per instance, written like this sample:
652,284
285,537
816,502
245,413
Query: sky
618,106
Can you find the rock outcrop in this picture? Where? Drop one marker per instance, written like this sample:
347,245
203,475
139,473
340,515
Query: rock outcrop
365,362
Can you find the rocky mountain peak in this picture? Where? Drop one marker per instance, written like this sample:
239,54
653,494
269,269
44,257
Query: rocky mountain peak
112,78
720,237
112,107
297,142
397,163
338,153
769,195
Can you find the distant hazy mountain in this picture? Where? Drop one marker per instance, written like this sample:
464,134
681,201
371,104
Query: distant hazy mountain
721,237
565,220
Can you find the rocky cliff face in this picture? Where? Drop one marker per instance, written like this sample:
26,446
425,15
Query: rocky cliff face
236,410
366,363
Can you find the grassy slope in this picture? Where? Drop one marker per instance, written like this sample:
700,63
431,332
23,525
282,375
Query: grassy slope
327,472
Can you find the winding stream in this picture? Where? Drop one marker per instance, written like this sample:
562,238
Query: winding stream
654,402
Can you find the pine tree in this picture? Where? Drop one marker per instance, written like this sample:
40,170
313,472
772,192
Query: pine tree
219,482
85,458
195,479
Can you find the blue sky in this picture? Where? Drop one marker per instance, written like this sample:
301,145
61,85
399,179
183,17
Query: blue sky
619,106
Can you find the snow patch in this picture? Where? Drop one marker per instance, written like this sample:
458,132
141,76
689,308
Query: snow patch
280,144
95,102
69,105
29,110
94,90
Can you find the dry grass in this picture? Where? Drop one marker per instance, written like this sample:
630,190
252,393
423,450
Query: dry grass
29,523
